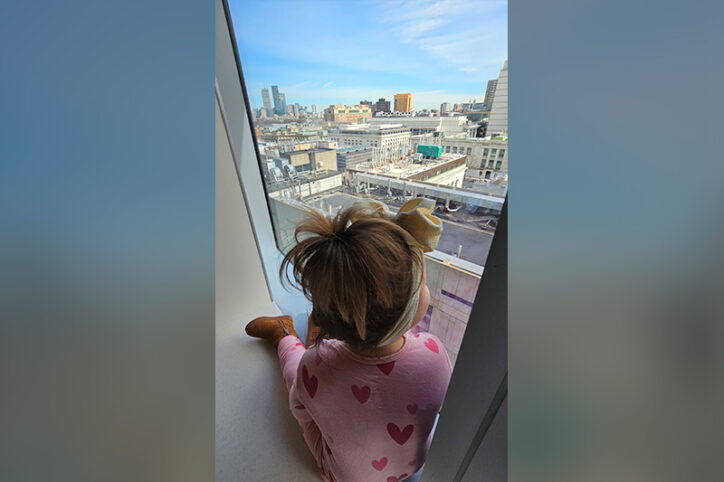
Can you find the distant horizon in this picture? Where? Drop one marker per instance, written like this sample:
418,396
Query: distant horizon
391,100
326,53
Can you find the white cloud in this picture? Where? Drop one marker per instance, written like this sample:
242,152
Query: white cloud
470,36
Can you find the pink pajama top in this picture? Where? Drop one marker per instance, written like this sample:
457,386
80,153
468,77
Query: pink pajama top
366,419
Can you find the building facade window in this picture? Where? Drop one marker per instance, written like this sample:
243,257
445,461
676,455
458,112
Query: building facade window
498,164
485,152
469,151
455,149
501,153
493,151
490,164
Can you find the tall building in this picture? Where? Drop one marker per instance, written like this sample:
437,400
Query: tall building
267,102
403,102
341,113
314,109
283,99
498,120
490,93
280,105
445,107
381,105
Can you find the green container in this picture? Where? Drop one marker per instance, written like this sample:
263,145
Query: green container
430,151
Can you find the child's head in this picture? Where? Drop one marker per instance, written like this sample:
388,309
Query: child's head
363,274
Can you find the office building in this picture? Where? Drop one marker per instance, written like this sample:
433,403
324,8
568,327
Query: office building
384,136
381,105
350,157
267,102
403,102
314,109
342,113
312,159
490,93
445,108
293,110
424,125
472,106
498,120
280,106
486,158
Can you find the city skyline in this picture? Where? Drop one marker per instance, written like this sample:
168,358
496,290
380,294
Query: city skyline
340,53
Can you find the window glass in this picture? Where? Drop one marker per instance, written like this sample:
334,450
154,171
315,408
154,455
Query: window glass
501,153
305,85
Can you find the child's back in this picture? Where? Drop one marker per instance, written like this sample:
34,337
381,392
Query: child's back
374,415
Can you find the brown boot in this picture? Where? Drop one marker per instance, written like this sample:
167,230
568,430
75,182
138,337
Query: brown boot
272,328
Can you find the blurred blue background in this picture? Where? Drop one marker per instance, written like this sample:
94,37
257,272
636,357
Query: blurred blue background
106,240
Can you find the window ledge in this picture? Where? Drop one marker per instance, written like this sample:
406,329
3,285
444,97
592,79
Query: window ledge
256,436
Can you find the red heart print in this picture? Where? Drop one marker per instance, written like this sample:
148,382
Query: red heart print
392,478
298,344
431,345
300,407
412,409
361,394
399,436
379,464
310,383
386,368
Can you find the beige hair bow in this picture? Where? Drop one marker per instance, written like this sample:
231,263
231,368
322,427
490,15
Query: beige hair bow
415,217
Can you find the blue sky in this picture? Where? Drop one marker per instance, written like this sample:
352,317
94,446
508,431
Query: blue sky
341,52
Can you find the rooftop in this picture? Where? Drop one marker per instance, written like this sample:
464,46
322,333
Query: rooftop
406,168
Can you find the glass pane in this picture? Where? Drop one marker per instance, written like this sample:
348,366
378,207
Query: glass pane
337,120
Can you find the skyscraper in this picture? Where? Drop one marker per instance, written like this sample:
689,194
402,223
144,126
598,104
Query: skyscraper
403,102
267,101
283,99
490,93
314,109
498,120
280,104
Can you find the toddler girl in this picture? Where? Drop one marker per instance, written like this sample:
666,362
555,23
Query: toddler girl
367,393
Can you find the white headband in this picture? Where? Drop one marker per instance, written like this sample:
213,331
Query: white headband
404,322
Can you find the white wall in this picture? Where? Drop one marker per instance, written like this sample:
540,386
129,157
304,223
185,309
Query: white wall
240,284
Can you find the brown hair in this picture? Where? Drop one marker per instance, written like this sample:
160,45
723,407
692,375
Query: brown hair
357,270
